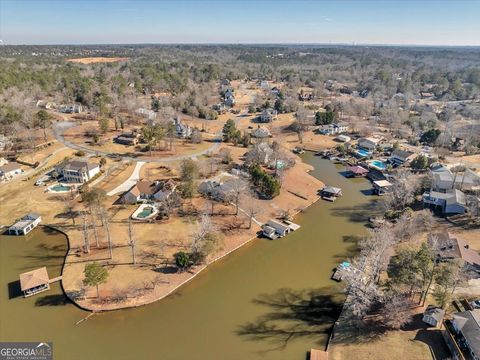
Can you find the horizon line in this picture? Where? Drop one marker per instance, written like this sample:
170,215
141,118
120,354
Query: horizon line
350,44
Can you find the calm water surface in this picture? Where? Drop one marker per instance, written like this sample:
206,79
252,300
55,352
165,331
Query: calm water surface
269,300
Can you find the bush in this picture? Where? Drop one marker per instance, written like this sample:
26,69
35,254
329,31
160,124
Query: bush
80,153
182,260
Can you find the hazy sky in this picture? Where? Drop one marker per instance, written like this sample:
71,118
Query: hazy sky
254,21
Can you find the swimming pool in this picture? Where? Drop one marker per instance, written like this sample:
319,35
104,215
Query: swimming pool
146,212
377,164
59,188
363,152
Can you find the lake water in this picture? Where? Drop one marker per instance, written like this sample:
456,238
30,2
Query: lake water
268,300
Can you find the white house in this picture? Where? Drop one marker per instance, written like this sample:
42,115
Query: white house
400,157
368,143
78,171
340,127
25,224
268,115
273,229
9,170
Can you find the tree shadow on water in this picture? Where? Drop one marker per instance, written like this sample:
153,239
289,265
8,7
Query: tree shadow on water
358,213
293,314
52,300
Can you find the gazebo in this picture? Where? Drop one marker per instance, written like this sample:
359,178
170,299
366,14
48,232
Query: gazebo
34,282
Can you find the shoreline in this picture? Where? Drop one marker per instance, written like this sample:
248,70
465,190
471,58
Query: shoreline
149,299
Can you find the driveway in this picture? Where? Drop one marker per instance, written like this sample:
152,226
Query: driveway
132,180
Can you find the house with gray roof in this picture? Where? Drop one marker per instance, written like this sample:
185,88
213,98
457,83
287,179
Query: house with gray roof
25,224
268,115
400,157
466,325
450,202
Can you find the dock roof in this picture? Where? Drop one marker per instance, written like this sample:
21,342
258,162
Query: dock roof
383,183
34,278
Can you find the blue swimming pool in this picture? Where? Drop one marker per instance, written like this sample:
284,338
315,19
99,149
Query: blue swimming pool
380,165
363,152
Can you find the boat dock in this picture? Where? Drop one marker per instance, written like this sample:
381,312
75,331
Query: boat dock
36,281
318,355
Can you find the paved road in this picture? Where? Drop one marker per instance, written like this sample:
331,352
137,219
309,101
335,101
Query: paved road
60,127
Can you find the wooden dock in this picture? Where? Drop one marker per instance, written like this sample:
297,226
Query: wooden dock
318,354
58,278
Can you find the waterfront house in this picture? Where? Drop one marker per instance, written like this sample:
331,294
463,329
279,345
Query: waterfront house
268,115
9,170
356,171
34,282
448,248
25,224
433,316
450,202
78,171
274,228
149,190
368,143
130,138
400,157
330,193
444,180
466,326
382,187
222,191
